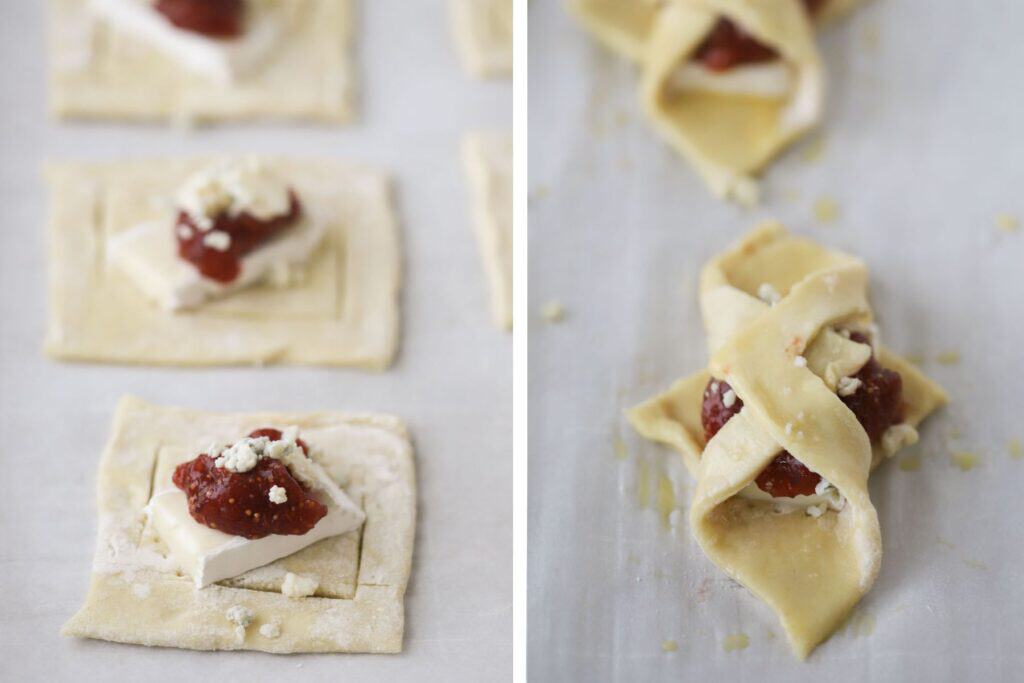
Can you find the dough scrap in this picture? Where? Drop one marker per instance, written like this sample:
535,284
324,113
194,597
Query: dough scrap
137,596
345,311
99,73
483,34
488,160
811,571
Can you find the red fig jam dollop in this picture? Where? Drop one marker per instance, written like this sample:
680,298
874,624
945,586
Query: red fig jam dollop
877,404
728,45
246,231
213,18
238,503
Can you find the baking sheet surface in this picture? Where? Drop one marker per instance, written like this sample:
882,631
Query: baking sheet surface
920,152
451,382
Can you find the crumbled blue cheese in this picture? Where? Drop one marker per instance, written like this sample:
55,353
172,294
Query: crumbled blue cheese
729,398
768,294
243,455
298,585
241,616
271,629
248,187
800,362
218,240
848,386
278,495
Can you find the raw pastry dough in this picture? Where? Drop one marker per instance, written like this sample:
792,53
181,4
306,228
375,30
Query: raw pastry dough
727,138
136,595
98,73
483,32
811,571
488,159
345,312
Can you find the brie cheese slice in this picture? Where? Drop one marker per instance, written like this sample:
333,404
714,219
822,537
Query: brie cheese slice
223,60
772,80
208,555
148,254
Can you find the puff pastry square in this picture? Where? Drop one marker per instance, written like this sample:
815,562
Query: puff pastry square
488,161
784,362
99,73
137,596
483,32
345,312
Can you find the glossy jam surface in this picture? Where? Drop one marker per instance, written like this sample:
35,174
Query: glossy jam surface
728,45
238,503
877,404
213,18
246,231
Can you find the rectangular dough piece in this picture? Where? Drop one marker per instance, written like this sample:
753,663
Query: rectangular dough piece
344,313
136,594
483,32
488,160
98,73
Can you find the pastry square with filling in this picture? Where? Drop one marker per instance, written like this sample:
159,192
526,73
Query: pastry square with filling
488,161
345,310
483,33
137,595
98,71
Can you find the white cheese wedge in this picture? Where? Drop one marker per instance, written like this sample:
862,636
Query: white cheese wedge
148,254
208,555
825,497
222,60
773,80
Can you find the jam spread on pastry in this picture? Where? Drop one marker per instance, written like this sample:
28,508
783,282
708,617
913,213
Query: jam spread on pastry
728,45
217,251
255,502
213,18
875,399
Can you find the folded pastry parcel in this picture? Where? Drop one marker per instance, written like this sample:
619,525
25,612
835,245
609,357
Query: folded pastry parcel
798,404
728,83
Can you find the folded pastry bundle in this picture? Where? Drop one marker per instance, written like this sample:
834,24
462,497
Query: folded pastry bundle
799,403
728,83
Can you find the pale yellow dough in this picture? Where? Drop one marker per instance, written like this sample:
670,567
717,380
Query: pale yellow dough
727,138
488,160
99,73
136,595
483,34
811,571
344,312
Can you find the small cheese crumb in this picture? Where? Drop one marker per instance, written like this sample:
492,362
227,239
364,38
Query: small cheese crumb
800,362
552,312
243,455
815,510
729,398
271,629
848,386
714,387
1007,222
241,616
278,495
184,232
965,460
898,436
217,240
949,358
768,294
299,586
669,646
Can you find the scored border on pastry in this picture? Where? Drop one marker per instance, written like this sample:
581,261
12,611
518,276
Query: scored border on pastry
775,307
483,34
99,73
137,596
488,160
345,312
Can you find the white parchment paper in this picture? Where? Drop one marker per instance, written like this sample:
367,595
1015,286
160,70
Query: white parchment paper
921,150
451,381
